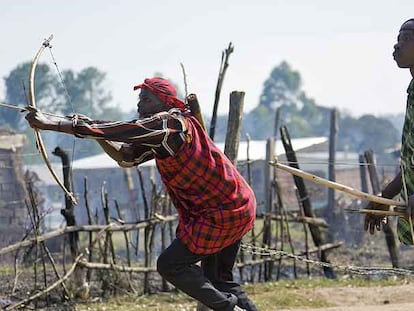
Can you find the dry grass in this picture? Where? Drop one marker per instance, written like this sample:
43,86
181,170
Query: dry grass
267,296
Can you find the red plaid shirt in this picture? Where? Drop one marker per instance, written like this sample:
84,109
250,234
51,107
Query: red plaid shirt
216,206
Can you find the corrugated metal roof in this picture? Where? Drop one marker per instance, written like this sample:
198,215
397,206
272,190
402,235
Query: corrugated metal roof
257,151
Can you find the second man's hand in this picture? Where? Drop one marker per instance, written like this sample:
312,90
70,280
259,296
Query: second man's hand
374,222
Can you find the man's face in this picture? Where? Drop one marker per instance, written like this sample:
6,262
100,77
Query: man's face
404,49
149,104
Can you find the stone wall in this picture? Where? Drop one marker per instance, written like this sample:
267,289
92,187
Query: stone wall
13,212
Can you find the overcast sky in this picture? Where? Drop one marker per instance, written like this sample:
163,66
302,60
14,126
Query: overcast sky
342,49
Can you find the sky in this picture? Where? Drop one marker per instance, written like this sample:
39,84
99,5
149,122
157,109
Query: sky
342,49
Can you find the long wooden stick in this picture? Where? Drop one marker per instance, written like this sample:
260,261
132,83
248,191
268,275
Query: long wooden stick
337,186
88,228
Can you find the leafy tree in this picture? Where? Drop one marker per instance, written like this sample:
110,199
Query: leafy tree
299,112
258,123
281,88
305,118
86,90
17,83
87,93
367,132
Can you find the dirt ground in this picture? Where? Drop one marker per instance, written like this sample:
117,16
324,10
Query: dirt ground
387,298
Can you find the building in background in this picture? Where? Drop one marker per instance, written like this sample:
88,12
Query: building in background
99,174
13,211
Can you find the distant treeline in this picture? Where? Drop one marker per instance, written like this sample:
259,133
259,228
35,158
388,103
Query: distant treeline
86,92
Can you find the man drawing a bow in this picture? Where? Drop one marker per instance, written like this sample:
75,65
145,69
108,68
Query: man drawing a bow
216,206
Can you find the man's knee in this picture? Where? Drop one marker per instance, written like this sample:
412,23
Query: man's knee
163,265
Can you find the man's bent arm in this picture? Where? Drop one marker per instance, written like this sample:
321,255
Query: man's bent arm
393,188
114,149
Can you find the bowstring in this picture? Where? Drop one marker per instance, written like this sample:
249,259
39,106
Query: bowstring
68,98
62,80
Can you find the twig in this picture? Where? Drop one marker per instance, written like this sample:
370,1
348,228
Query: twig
223,68
185,80
48,289
121,268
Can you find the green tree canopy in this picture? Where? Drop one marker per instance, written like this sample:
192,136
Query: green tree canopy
300,113
367,132
281,88
304,117
17,84
85,92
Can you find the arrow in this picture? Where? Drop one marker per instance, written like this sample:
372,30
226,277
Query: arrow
27,108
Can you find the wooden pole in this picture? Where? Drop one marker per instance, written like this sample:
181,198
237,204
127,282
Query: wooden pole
304,198
80,278
331,166
376,188
90,235
68,212
234,124
269,201
223,68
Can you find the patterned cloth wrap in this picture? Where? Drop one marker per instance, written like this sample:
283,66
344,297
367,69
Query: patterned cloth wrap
216,206
407,164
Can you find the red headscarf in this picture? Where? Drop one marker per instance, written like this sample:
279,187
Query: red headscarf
164,90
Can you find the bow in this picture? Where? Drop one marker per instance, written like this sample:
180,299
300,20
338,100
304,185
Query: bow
38,137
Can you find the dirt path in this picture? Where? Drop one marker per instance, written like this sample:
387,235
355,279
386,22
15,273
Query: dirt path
388,307
388,298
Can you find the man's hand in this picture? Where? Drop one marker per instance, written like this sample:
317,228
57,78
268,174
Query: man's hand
38,120
78,116
371,221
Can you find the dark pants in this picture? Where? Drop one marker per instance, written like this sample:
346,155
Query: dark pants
212,284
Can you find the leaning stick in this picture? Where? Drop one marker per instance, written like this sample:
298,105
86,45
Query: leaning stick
337,186
46,290
195,109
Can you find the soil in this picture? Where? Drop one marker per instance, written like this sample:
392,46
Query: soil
387,298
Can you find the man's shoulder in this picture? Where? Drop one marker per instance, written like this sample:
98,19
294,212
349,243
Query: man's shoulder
172,113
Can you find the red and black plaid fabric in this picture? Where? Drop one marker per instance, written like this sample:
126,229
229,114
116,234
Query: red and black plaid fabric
216,206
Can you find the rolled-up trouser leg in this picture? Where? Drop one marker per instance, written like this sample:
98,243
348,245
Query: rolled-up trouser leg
178,266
